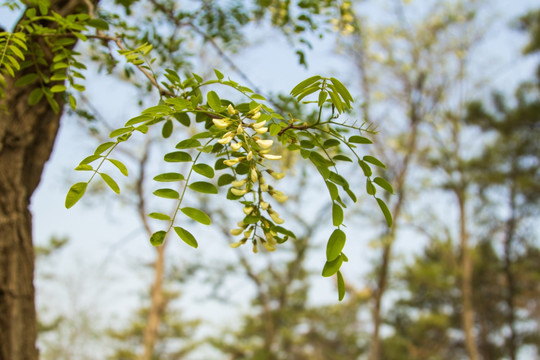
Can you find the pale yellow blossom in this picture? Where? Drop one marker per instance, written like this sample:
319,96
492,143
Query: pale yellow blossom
265,144
221,123
236,146
236,232
239,183
261,130
231,110
239,192
271,157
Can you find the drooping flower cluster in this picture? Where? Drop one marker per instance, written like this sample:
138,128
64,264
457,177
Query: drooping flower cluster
249,150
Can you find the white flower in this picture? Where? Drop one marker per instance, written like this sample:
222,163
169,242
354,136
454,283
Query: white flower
261,130
264,205
226,138
248,210
275,216
231,162
221,123
264,187
249,156
240,129
239,183
256,116
271,157
258,125
248,232
236,146
279,196
265,144
239,192
268,247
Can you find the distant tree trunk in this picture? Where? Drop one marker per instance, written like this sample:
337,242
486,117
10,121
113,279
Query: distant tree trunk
510,293
27,135
467,314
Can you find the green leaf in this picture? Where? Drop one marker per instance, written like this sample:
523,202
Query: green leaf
322,98
138,119
75,193
342,158
102,147
342,90
182,118
35,96
58,88
84,167
225,179
203,187
332,267
177,156
157,238
167,193
384,184
357,139
204,170
159,216
219,75
365,168
304,84
72,102
330,143
197,215
26,79
89,159
336,100
307,92
158,109
332,188
341,286
374,161
214,101
167,129
98,24
370,188
188,144
318,160
120,131
120,166
169,177
335,244
385,211
110,181
337,215
186,236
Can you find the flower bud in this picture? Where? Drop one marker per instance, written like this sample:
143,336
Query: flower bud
254,175
256,116
248,210
231,110
231,162
236,232
249,156
255,250
226,138
264,187
240,129
264,205
268,247
279,196
276,175
275,217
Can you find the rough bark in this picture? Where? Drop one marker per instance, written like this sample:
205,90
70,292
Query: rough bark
27,135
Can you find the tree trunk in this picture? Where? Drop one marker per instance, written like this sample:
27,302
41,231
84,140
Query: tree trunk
27,135
467,313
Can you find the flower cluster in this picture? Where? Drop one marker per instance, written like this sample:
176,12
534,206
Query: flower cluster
244,135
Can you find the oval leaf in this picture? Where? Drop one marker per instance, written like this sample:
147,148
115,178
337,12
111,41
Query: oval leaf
197,215
169,177
332,267
188,144
374,161
75,193
159,216
385,211
167,193
186,236
177,156
204,187
360,140
337,215
225,179
340,286
110,181
157,238
335,244
204,170
120,166
384,184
